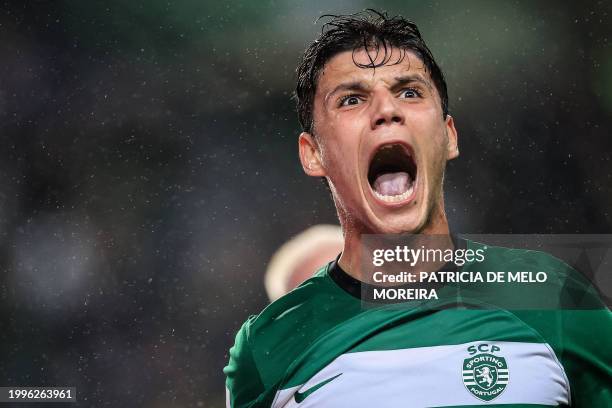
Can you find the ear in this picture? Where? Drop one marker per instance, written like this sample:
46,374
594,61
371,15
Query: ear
451,132
310,155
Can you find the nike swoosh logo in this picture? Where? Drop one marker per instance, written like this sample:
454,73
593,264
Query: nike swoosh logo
301,396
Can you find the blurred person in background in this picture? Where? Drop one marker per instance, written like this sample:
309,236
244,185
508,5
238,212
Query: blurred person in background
297,259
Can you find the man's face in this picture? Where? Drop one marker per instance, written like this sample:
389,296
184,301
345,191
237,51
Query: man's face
382,142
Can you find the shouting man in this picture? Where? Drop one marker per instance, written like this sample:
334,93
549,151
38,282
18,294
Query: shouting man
373,106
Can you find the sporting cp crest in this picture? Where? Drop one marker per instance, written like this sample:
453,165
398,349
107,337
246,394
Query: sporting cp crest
485,375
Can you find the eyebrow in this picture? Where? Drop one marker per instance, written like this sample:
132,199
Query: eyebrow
348,86
363,87
407,79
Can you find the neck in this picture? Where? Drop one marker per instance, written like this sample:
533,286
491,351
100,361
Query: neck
352,253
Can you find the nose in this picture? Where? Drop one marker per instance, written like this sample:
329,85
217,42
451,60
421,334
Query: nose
386,110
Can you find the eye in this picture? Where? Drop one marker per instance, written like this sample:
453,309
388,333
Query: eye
350,100
410,93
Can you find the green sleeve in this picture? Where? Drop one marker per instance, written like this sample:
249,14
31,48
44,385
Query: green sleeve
243,381
580,333
587,357
586,335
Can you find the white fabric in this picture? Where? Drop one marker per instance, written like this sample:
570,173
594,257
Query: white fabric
430,377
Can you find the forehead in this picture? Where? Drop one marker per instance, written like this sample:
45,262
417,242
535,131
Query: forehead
345,66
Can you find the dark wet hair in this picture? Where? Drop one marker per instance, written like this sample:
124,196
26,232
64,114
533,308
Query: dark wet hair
372,30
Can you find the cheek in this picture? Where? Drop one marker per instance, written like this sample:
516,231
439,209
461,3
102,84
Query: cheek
340,172
341,167
436,158
347,124
434,147
340,154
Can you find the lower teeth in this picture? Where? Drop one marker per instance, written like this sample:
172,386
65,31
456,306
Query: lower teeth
396,198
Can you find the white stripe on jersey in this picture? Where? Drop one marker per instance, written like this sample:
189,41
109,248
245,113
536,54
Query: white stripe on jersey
431,376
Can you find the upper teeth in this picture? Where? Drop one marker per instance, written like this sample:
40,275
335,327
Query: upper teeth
396,198
393,146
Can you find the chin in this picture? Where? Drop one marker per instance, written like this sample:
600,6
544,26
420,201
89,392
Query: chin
404,228
398,223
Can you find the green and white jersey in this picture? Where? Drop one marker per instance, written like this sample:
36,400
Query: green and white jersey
319,347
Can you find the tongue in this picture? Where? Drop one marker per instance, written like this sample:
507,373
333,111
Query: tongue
391,184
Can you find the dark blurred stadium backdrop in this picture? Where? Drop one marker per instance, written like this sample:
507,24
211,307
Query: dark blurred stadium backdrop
149,168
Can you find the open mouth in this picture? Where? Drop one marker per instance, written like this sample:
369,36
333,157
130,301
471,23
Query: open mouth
392,173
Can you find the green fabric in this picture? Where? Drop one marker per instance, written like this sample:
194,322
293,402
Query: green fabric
299,334
242,375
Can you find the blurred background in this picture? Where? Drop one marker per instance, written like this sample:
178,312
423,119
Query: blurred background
149,169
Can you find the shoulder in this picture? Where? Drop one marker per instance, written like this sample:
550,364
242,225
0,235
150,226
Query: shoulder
267,343
284,329
505,256
296,306
544,280
566,311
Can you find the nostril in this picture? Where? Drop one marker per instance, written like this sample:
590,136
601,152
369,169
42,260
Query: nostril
393,119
